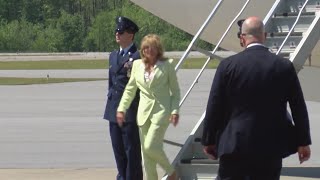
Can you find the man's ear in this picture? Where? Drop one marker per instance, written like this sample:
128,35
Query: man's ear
132,36
242,42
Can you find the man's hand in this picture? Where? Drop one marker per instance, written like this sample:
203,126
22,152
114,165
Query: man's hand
174,119
304,153
210,151
120,118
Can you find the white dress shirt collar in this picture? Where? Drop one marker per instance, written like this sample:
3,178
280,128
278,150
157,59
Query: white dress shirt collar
125,50
255,44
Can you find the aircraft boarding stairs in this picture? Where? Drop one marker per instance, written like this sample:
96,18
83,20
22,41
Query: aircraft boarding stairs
293,28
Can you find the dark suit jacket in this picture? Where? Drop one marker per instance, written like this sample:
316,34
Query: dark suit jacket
118,79
247,107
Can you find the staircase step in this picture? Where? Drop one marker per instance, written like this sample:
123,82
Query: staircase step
284,24
206,176
285,55
283,51
288,51
296,5
284,34
293,14
197,172
291,43
313,7
199,161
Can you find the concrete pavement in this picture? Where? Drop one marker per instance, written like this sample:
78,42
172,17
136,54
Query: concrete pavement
80,174
55,131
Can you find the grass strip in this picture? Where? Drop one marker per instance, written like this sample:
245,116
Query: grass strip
197,63
61,64
193,63
29,81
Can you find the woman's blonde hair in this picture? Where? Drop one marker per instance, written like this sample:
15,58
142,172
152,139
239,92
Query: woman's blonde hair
154,41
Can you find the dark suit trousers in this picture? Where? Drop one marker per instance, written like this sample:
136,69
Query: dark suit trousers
235,167
127,150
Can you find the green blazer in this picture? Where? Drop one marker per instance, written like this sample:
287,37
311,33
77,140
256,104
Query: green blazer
159,98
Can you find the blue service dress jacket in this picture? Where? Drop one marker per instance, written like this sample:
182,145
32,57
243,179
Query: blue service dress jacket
119,74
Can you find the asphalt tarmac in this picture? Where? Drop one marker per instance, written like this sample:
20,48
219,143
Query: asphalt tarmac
51,130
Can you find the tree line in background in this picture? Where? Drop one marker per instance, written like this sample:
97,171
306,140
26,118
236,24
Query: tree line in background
77,26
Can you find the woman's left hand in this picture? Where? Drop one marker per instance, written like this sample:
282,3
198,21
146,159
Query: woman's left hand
174,119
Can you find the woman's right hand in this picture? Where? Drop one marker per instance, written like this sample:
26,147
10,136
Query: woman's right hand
120,118
174,119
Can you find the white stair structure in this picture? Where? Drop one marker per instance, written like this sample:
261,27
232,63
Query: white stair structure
293,28
295,25
189,15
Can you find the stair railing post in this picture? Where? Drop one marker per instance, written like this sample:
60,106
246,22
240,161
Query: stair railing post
215,49
292,28
200,31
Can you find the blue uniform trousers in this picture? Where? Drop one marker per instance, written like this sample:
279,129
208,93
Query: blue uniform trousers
127,150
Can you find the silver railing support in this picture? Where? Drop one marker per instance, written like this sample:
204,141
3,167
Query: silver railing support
292,28
196,37
212,52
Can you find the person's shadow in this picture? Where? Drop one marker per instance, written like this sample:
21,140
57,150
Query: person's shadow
310,172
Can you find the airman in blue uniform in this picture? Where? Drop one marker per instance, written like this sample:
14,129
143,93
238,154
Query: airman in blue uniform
125,138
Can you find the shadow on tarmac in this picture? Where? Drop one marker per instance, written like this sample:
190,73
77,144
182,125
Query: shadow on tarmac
309,172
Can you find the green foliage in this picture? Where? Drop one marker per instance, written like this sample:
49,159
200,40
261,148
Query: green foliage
192,63
2,25
32,11
78,25
52,9
64,64
101,36
28,81
73,30
11,9
50,39
18,35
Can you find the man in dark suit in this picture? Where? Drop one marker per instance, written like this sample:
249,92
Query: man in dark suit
125,138
246,124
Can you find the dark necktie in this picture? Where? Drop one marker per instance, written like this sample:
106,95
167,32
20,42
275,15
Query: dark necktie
121,53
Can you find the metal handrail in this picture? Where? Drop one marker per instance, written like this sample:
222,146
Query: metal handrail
186,53
212,52
200,31
292,28
271,12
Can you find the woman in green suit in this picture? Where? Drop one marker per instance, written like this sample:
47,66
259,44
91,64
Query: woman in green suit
156,79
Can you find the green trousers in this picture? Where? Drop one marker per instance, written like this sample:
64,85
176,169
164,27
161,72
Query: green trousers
151,136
